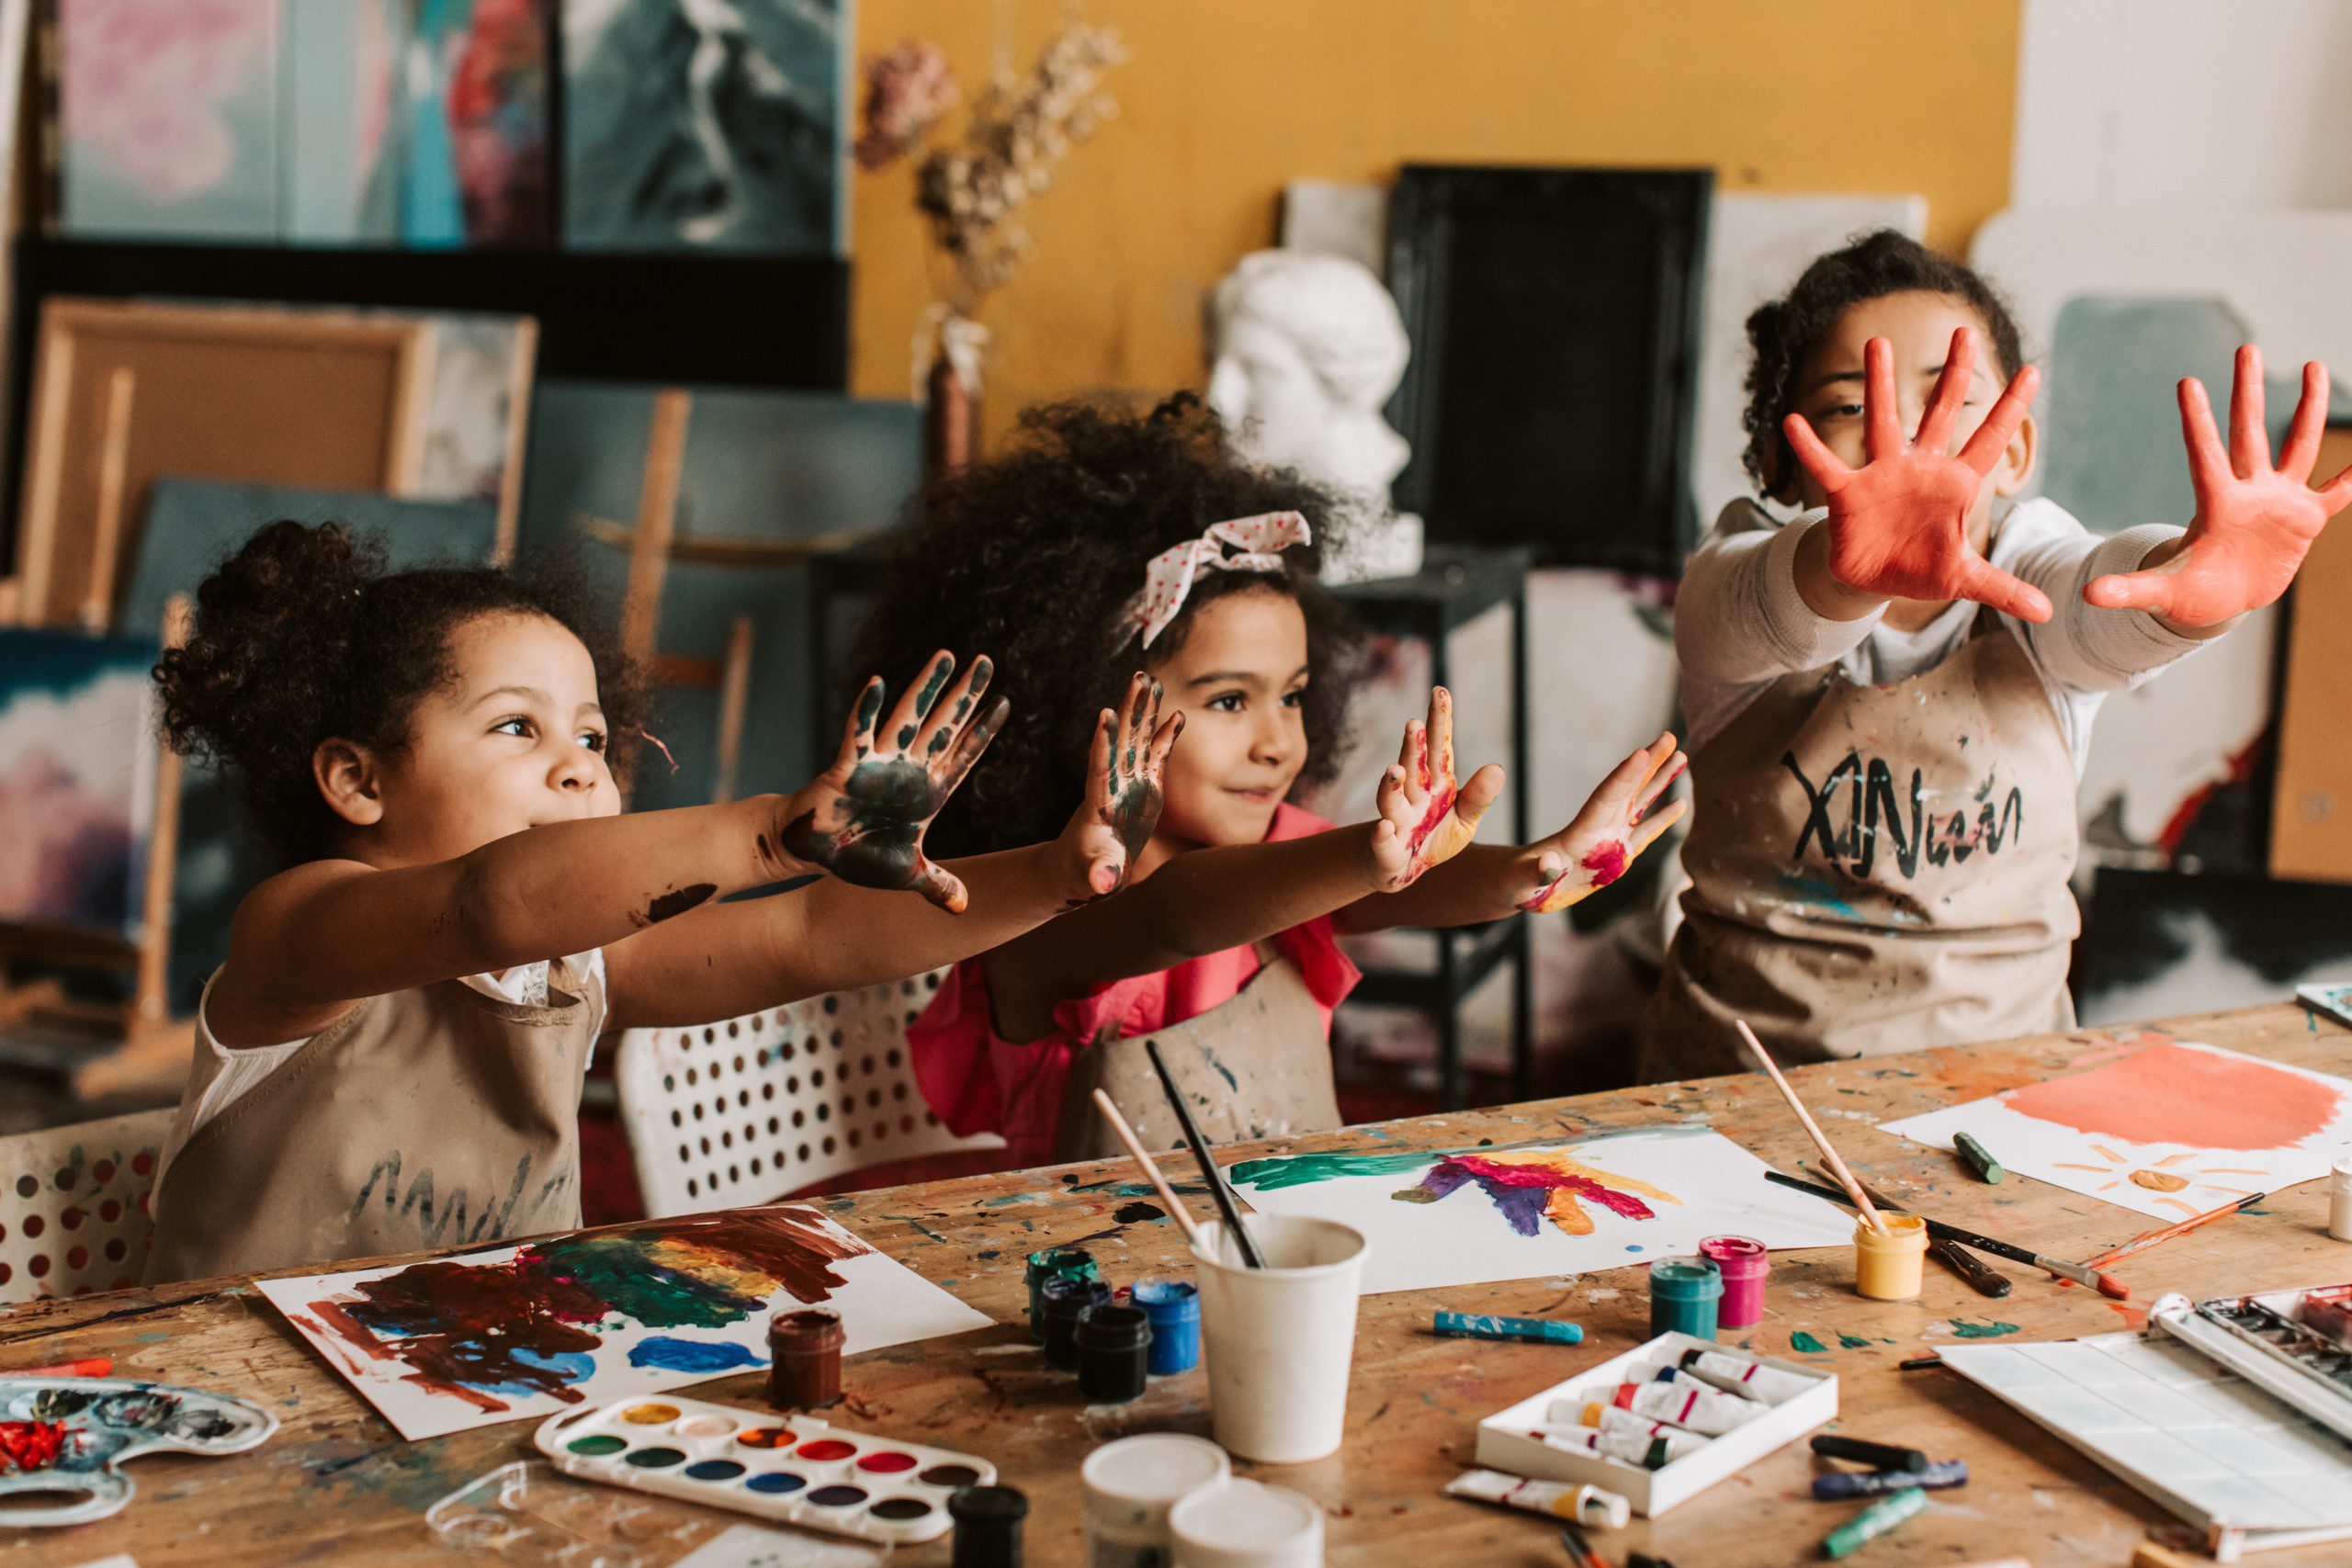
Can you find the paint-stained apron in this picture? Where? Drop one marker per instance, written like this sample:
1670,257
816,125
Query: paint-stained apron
1875,869
1257,1065
432,1117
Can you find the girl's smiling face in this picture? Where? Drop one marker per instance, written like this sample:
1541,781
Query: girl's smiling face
1237,679
512,739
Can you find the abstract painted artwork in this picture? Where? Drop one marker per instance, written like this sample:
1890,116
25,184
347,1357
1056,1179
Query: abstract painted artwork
1439,1217
2167,1127
512,1331
77,771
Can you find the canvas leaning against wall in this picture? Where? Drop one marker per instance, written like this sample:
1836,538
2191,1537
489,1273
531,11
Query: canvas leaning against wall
77,778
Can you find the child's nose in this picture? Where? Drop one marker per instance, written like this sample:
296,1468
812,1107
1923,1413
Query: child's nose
575,769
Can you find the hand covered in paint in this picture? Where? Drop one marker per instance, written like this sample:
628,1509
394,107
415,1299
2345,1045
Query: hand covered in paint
1898,526
1594,851
2253,523
1126,765
1425,817
863,818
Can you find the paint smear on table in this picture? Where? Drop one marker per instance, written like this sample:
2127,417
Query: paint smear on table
1967,1330
1806,1343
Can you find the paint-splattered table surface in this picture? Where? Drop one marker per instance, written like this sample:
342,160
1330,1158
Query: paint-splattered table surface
337,1486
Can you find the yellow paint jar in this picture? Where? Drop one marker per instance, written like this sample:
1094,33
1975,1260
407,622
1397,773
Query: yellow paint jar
1887,1263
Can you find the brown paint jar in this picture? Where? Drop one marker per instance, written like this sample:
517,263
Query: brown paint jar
805,1359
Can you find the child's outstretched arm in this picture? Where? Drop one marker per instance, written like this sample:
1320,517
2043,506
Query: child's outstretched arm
1485,881
2255,522
310,940
729,959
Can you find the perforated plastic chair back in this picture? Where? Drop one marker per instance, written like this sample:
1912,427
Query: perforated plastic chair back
727,1114
74,1205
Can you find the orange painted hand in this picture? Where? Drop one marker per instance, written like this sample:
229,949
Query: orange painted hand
2255,522
1898,526
1611,833
1425,817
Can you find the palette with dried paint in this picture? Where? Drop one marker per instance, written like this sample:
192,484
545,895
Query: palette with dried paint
796,1470
2297,1344
66,1437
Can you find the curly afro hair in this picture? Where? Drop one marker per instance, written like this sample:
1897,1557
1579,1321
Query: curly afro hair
301,637
1031,557
1782,333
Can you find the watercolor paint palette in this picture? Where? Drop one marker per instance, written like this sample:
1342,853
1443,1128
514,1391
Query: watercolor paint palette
2296,1344
795,1469
1504,1442
67,1436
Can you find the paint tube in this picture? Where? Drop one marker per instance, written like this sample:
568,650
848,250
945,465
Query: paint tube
1560,1499
1589,1414
1745,1374
1650,1454
1686,1402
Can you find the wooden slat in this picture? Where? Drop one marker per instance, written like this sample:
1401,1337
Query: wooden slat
2310,834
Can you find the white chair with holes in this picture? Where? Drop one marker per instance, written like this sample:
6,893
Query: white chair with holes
73,1206
727,1114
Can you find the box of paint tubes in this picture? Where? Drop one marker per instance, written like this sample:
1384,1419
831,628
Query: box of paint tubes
1661,1423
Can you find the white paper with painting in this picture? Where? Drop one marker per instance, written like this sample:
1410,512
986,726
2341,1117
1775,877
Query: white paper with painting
514,1332
2168,1127
1467,1216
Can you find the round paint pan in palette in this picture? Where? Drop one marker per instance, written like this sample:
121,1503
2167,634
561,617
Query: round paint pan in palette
797,1470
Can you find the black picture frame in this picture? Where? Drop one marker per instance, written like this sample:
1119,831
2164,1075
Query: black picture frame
1555,315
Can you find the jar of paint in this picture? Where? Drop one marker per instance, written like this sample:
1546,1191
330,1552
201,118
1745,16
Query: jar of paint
1130,1484
1887,1263
1174,1308
805,1359
1055,1263
1743,1264
1683,1294
1061,1303
2339,1199
1245,1524
987,1526
1113,1343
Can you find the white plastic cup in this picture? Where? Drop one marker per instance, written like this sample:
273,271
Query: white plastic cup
2339,1199
1280,1340
1130,1484
1246,1524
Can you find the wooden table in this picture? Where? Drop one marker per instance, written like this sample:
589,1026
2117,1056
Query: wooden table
337,1486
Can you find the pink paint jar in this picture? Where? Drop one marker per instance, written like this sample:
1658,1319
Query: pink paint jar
1744,1264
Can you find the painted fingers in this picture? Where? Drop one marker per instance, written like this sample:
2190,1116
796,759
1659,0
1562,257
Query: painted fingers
1617,822
1125,791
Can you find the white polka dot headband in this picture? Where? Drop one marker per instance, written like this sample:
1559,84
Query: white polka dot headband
1257,542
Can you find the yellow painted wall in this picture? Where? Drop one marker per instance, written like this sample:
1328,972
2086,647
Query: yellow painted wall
1223,101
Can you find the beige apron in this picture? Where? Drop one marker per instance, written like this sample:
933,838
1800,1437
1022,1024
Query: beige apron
1256,1067
430,1118
1875,868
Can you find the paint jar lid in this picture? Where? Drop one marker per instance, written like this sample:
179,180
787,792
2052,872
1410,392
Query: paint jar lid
1106,1325
1130,1484
1246,1524
1064,1297
1168,1301
1738,1256
1062,1263
1686,1280
805,1331
988,1524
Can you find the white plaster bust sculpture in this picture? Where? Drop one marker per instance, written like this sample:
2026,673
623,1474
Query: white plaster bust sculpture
1304,352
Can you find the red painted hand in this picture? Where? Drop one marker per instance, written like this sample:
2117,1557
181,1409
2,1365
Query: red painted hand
1426,817
1898,526
2255,522
863,818
1123,788
1609,834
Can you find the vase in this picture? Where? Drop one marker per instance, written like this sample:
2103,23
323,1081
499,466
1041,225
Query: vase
950,390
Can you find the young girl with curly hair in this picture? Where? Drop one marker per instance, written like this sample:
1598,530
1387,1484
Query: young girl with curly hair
390,1058
1106,540
1891,698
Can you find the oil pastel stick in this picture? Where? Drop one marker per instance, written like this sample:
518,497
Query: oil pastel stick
1861,1450
88,1367
1527,1330
1872,1522
1979,1158
1878,1483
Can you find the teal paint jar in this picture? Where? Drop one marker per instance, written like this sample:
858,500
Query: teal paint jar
1684,1292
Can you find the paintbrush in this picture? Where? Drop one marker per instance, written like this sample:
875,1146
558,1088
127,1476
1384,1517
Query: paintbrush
1126,1134
2104,1284
1580,1552
1984,1282
1228,1204
2149,1238
1858,1199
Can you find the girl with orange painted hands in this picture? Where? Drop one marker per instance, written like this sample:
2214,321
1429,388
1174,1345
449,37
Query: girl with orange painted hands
1891,696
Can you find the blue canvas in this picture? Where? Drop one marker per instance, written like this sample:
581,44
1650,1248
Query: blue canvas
77,778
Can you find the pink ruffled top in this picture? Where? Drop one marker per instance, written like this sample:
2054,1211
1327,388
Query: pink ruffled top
977,1082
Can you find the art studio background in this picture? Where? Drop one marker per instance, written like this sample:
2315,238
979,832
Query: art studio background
632,279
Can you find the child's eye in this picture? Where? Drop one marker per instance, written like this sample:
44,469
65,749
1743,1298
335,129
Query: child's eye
1843,411
1226,702
515,726
1295,698
592,739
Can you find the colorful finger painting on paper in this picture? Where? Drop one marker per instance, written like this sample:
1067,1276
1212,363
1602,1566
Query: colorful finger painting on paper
1439,1217
512,1331
2167,1127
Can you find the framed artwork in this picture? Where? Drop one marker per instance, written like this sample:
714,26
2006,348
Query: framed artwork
77,779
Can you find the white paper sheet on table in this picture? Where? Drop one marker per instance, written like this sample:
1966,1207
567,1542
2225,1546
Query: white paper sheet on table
2209,1104
1693,1183
510,1333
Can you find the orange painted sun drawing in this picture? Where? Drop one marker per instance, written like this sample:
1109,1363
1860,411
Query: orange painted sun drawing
2156,1179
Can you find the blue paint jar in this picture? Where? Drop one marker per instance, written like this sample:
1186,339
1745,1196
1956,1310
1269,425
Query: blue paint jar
1683,1295
1174,1308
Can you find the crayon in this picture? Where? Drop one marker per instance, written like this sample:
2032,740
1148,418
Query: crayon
1877,1482
1979,1158
1528,1331
1872,1522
